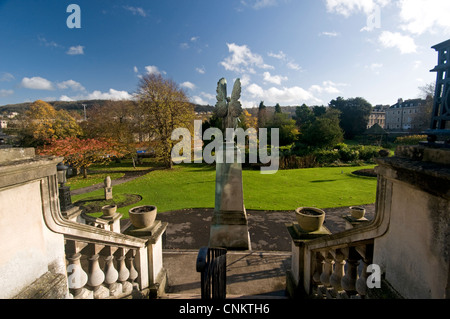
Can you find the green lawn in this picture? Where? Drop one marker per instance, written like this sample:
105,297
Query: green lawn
193,186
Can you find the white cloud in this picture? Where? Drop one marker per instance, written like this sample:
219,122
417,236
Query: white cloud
188,85
349,7
259,4
201,70
375,67
5,93
43,41
329,34
417,64
275,79
37,83
209,96
420,16
403,43
6,77
280,55
65,98
135,69
110,95
286,95
198,100
326,87
75,50
98,95
136,11
70,84
293,66
243,60
245,80
152,69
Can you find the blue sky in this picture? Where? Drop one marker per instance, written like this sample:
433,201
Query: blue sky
285,51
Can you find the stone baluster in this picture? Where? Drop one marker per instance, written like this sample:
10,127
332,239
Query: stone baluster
96,278
77,278
327,268
111,273
317,267
366,252
124,273
348,282
133,272
338,273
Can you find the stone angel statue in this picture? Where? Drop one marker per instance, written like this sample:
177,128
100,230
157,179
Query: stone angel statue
228,109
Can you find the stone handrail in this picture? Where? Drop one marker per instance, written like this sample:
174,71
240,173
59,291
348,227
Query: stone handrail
76,231
349,246
376,228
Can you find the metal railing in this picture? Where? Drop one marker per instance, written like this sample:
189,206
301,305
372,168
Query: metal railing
212,266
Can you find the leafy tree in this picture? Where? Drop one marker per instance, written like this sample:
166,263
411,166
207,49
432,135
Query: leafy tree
42,122
288,131
278,109
82,153
303,116
247,120
354,115
324,131
164,107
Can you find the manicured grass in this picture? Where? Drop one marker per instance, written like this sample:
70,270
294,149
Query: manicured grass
193,186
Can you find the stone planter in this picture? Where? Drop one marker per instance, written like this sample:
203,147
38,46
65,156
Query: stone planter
310,219
109,210
142,216
357,212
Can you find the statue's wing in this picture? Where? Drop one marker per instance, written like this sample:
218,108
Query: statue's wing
236,106
222,105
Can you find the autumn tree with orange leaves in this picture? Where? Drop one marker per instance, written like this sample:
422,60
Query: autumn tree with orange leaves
82,153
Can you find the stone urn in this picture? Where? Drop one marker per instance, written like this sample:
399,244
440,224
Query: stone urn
109,210
142,216
357,212
310,219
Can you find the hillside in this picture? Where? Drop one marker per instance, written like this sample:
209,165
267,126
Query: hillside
78,106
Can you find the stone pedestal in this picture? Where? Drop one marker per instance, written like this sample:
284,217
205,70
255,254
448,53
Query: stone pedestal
156,272
108,193
351,222
294,276
229,227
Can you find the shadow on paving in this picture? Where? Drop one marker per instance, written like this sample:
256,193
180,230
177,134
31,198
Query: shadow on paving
189,228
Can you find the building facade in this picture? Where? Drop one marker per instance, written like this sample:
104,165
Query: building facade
378,116
406,115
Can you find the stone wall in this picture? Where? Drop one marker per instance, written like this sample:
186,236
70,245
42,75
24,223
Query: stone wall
414,252
28,249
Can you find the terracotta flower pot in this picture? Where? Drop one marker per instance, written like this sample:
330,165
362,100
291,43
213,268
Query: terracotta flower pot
357,212
142,216
109,210
310,218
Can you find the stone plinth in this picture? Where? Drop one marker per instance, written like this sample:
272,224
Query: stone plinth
229,227
352,222
299,238
156,272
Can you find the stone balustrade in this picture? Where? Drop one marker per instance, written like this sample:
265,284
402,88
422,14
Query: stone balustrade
102,271
341,272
